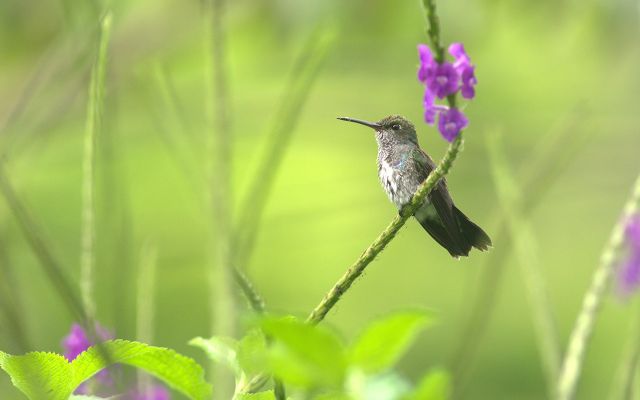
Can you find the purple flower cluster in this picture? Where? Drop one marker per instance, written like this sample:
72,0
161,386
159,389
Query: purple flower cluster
442,80
629,270
77,341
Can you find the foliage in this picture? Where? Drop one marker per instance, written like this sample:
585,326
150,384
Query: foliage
49,376
316,361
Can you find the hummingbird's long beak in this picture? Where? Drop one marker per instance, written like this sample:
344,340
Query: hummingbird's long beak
361,122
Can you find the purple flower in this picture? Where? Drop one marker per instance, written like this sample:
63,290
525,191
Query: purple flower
451,122
427,63
444,80
465,69
629,270
430,109
77,341
154,392
469,80
632,232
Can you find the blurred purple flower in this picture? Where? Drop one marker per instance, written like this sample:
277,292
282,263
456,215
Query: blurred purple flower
629,269
451,122
465,70
154,392
77,341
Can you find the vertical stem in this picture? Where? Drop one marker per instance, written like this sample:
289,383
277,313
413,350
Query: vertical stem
574,358
94,111
219,156
525,249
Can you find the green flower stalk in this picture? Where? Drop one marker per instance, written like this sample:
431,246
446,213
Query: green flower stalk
574,358
94,113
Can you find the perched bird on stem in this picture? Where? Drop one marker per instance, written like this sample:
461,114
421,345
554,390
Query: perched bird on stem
402,167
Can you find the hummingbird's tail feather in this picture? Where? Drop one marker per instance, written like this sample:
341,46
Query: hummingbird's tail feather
473,234
455,244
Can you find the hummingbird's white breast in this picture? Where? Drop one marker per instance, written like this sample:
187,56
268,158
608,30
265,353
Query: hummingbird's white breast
395,183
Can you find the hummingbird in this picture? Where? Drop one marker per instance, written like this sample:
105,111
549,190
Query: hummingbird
402,167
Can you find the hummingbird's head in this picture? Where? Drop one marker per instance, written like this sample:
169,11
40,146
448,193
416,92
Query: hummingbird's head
392,129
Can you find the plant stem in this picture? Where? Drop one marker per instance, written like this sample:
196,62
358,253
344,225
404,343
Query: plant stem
387,235
219,156
94,111
525,242
574,358
433,30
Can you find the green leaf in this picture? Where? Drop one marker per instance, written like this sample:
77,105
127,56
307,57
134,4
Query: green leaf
384,341
268,395
221,350
305,355
436,385
252,353
177,371
40,376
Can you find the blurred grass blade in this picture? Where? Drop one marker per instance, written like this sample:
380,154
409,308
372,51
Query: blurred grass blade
303,76
50,265
581,333
526,250
94,116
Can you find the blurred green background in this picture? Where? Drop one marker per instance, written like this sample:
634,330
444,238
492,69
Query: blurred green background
544,67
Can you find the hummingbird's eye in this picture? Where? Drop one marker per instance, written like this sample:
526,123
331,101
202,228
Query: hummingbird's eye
395,127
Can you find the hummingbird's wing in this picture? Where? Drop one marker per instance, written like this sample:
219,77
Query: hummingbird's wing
438,217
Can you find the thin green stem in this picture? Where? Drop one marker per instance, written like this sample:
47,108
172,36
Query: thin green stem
574,357
344,283
433,30
94,114
525,242
219,157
